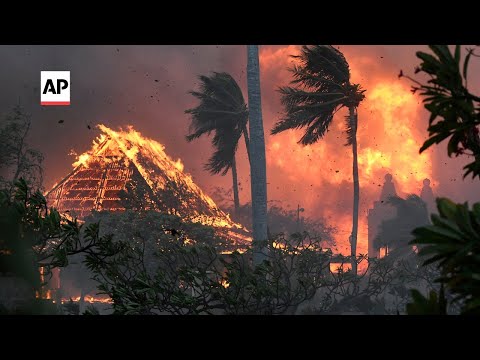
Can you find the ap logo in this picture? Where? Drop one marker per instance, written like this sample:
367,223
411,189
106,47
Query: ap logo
55,87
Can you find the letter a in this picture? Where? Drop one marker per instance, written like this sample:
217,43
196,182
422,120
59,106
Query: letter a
49,87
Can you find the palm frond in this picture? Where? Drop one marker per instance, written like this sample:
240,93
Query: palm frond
225,144
316,126
222,111
320,87
317,129
326,61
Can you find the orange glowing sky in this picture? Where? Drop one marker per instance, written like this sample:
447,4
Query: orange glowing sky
321,174
147,87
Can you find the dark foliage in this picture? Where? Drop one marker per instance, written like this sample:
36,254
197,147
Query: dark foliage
33,236
454,110
17,158
434,304
197,279
452,242
150,229
322,87
223,112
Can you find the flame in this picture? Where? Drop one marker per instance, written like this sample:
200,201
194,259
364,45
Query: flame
319,176
43,294
337,267
397,108
90,299
49,287
82,160
156,168
179,165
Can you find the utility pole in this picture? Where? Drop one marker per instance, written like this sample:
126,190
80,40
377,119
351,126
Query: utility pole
299,209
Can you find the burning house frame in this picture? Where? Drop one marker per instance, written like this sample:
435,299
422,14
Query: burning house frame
124,170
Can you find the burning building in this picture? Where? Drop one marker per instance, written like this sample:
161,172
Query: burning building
125,170
383,211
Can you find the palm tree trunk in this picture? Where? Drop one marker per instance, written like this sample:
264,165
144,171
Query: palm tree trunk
247,142
258,172
356,190
236,200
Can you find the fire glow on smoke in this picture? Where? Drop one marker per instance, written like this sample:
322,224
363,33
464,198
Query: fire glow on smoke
320,175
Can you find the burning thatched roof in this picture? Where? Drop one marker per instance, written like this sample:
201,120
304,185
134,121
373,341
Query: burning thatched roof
125,170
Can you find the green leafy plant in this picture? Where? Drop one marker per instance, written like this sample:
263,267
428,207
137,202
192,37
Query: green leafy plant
454,110
17,158
453,243
33,236
190,278
91,310
434,304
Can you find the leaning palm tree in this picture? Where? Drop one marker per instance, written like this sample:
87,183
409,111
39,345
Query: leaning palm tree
321,87
223,112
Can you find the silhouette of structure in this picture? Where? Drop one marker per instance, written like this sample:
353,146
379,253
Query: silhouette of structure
427,195
383,211
380,212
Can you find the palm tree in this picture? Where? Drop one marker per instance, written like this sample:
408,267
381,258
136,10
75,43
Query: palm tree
222,110
258,172
322,87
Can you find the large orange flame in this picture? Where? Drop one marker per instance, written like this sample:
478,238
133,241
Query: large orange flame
157,169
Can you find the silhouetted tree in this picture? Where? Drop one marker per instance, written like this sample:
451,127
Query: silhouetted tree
188,278
223,112
35,236
17,158
321,88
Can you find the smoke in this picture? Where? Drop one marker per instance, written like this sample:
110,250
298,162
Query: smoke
146,86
